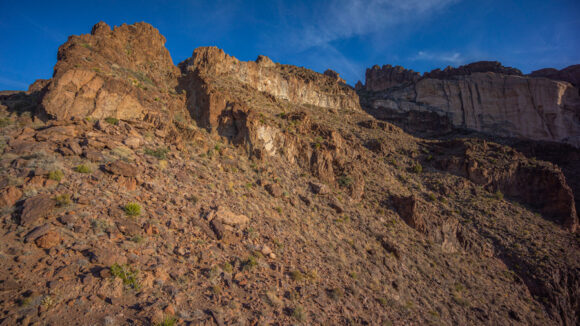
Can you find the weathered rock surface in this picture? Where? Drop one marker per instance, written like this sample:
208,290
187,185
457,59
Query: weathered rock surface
570,74
486,97
538,184
383,78
124,73
9,196
296,85
36,208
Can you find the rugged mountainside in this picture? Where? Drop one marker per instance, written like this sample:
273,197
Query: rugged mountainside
482,96
227,192
125,73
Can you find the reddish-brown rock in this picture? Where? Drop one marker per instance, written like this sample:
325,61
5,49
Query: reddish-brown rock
36,208
9,196
48,240
125,73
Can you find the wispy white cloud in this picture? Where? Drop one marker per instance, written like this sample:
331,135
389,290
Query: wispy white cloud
454,58
321,28
349,18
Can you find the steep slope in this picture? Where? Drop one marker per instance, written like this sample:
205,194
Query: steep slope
271,197
482,96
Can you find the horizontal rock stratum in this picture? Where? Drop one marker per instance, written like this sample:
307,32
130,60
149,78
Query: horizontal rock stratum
483,96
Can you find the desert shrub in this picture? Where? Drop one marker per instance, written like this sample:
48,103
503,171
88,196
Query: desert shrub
417,168
160,153
167,321
298,313
55,175
128,275
344,180
112,121
296,276
62,200
132,209
250,263
83,168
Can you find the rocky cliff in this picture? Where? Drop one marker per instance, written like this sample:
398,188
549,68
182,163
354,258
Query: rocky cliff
485,97
293,84
124,73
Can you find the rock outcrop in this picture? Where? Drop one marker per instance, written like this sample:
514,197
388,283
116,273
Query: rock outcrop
124,73
380,79
293,84
570,74
486,97
539,184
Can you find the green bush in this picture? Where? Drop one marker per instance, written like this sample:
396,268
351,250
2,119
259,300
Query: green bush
160,153
128,275
62,200
111,120
167,321
55,175
83,168
344,181
417,168
250,263
132,209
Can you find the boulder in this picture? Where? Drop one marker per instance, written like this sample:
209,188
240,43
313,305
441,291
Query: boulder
408,209
36,208
122,168
48,240
9,196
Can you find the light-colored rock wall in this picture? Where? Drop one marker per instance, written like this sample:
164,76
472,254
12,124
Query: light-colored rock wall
500,104
294,84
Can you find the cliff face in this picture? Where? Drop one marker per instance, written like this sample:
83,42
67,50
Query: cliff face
123,73
294,84
500,102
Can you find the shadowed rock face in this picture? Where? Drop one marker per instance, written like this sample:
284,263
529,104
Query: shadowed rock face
486,97
124,73
570,74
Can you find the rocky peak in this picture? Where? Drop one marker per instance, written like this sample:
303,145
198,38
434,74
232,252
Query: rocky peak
480,66
334,75
570,74
111,73
378,79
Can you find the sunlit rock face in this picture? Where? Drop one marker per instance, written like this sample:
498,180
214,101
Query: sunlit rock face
125,73
486,97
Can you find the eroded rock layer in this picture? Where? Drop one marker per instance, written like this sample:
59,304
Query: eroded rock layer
486,97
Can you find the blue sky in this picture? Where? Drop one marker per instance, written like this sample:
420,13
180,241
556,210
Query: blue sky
347,36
